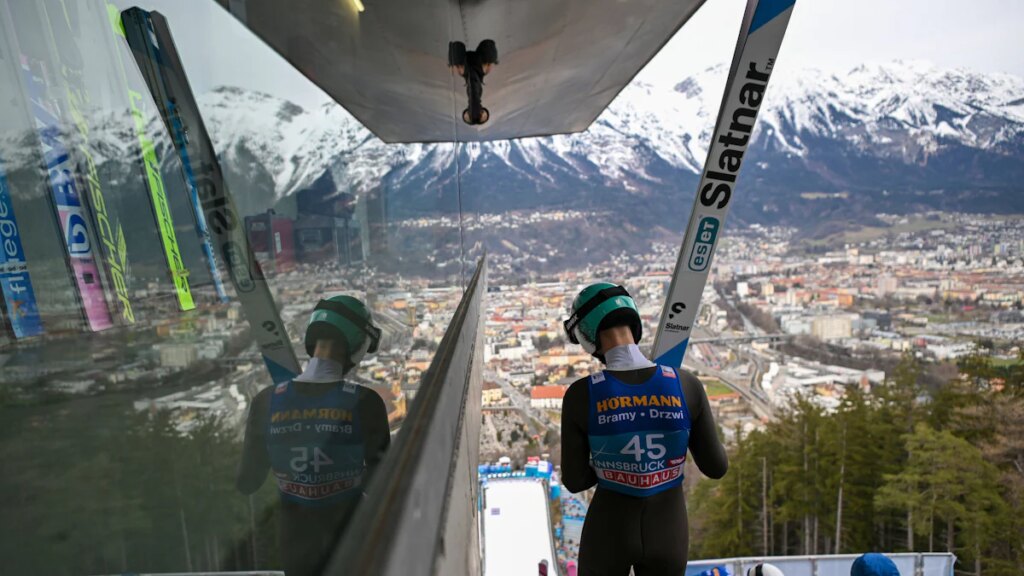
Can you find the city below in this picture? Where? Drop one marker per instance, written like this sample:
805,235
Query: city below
782,318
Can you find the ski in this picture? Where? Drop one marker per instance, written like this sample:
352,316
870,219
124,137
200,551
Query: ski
202,228
62,173
152,164
15,284
153,47
764,26
62,34
139,104
158,195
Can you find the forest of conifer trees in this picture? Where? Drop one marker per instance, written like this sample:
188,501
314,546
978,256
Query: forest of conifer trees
901,469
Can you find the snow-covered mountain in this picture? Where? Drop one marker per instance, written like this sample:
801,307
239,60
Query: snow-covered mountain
904,110
890,132
830,149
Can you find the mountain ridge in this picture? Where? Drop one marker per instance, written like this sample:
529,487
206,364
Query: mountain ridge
888,134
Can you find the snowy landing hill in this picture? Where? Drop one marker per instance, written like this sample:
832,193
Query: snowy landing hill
893,137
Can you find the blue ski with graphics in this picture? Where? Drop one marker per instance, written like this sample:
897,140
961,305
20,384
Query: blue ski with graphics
19,297
764,26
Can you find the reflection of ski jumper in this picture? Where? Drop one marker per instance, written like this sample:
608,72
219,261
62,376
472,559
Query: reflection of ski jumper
15,284
321,437
316,444
323,441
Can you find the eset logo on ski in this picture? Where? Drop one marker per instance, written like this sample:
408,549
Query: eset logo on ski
234,257
707,233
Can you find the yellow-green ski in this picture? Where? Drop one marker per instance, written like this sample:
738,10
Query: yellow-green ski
154,181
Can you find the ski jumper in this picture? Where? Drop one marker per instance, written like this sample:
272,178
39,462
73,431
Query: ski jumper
322,441
637,517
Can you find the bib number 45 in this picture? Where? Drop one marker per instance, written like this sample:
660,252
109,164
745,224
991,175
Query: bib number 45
655,450
302,462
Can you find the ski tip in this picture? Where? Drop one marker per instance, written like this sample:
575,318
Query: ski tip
767,10
278,373
674,356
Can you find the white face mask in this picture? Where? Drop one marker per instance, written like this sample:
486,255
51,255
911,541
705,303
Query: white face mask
626,357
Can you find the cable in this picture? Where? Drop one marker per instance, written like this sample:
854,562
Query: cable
458,171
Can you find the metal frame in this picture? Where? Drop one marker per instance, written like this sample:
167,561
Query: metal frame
813,563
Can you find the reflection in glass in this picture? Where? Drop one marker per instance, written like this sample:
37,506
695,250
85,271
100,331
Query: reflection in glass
51,79
125,449
472,66
321,435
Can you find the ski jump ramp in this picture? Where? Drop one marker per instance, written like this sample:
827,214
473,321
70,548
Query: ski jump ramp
516,528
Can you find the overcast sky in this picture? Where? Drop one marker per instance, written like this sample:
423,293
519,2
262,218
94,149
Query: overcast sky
983,35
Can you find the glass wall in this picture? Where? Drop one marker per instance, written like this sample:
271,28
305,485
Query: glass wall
128,358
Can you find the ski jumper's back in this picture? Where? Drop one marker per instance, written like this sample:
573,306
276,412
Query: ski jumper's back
638,433
637,517
315,444
321,441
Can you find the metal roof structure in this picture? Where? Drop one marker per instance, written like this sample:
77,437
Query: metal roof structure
386,61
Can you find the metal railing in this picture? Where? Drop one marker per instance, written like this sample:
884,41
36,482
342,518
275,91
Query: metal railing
420,515
250,573
909,564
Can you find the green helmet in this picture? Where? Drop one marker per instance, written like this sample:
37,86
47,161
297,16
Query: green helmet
347,319
598,307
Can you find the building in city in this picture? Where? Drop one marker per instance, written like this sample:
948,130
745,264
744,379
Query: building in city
835,327
327,228
547,396
272,238
492,394
372,213
886,285
178,355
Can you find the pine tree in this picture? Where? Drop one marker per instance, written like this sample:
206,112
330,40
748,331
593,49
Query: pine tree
914,475
947,481
729,508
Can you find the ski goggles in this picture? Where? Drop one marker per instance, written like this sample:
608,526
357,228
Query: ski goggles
601,297
361,323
